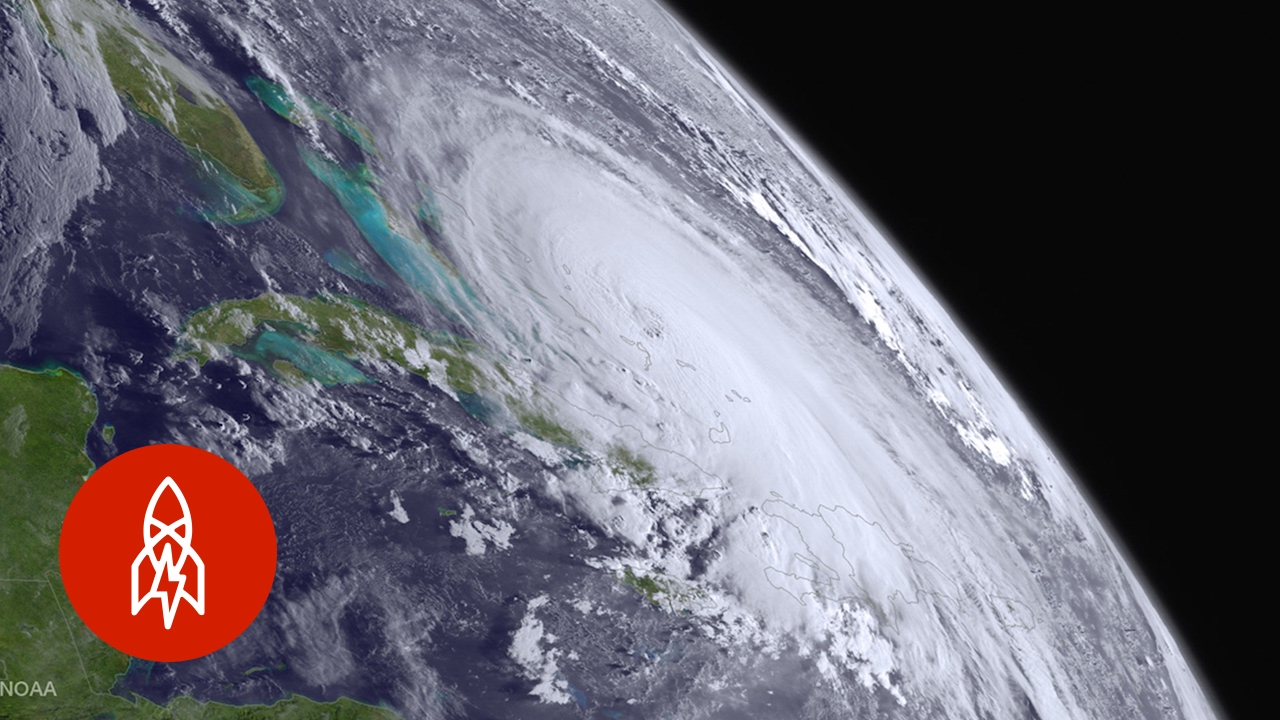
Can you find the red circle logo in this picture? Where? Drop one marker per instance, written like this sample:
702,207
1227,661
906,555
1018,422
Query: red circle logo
167,553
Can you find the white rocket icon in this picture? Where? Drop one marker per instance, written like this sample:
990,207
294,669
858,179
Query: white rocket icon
165,566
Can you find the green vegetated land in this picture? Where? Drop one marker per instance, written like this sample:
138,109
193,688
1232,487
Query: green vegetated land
346,328
327,333
658,590
638,471
45,419
161,88
540,423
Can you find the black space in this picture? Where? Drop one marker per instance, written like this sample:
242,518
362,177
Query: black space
1074,188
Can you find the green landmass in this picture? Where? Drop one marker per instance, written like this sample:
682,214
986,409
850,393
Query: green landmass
649,586
108,433
45,419
541,424
638,471
289,372
657,590
337,324
162,89
301,339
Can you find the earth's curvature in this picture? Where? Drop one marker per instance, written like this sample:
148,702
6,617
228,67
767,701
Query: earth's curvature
575,386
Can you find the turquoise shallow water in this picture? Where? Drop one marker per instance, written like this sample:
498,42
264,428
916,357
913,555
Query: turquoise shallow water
284,105
227,200
328,368
414,260
429,209
401,244
348,265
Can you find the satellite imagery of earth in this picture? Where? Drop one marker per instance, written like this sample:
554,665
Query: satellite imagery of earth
575,384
